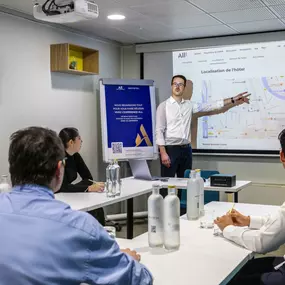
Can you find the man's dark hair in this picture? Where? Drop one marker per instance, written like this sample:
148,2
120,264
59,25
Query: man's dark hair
34,154
179,76
68,134
281,138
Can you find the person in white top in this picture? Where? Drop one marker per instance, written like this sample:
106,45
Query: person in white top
258,234
173,126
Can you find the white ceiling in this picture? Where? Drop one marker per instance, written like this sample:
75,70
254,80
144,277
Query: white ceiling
161,20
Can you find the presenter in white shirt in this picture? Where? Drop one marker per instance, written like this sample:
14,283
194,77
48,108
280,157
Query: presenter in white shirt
173,126
259,234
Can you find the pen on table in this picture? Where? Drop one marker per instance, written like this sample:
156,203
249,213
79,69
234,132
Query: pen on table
232,208
94,182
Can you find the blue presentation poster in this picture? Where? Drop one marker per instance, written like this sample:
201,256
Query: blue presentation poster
129,121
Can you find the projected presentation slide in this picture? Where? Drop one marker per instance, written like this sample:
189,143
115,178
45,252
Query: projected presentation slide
223,72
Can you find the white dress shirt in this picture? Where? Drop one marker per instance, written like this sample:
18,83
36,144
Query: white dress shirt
173,120
263,235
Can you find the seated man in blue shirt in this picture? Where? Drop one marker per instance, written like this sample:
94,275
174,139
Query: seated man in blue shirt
43,241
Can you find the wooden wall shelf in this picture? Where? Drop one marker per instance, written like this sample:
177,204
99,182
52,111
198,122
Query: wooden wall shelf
73,59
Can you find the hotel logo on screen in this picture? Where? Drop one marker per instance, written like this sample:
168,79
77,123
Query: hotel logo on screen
182,55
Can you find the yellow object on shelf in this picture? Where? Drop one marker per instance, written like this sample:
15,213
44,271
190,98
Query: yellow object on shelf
75,60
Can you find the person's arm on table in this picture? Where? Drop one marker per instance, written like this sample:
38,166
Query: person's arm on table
258,234
253,222
74,188
160,131
82,186
107,264
86,176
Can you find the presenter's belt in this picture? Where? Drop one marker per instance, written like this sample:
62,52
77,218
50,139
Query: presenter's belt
179,146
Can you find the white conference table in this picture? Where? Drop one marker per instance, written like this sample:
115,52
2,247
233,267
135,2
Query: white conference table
203,258
89,201
130,188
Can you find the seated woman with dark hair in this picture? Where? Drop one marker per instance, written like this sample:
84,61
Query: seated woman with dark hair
75,165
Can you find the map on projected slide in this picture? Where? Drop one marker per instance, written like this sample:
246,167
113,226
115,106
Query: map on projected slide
262,119
223,72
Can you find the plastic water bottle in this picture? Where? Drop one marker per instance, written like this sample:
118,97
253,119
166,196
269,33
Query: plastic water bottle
155,218
113,179
201,192
117,181
4,184
109,184
171,219
193,193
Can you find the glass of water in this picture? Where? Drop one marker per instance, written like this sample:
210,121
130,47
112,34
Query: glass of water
207,221
111,231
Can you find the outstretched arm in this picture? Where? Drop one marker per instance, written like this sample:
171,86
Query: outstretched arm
219,105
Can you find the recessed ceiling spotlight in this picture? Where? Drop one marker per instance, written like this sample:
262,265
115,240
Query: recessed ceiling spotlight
116,17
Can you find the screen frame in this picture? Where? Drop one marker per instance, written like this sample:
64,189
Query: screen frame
213,42
226,152
222,152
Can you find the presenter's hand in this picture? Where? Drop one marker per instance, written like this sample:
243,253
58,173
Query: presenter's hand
132,253
165,160
239,219
241,98
96,187
224,221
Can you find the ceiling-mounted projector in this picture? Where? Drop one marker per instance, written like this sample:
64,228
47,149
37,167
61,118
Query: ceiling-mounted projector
66,11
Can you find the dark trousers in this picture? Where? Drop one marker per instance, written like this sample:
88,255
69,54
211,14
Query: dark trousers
260,271
181,159
99,215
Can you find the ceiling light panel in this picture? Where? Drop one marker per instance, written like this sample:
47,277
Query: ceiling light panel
226,5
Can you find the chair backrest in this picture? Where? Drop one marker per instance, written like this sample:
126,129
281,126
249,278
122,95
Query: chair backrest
206,174
209,195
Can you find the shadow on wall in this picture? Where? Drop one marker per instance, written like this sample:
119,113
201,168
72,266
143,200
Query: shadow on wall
71,82
157,96
102,165
194,122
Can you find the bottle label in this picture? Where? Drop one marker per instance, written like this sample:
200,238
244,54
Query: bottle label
154,218
175,227
153,229
155,224
172,227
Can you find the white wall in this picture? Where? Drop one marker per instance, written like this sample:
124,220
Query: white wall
158,66
31,95
130,69
130,63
